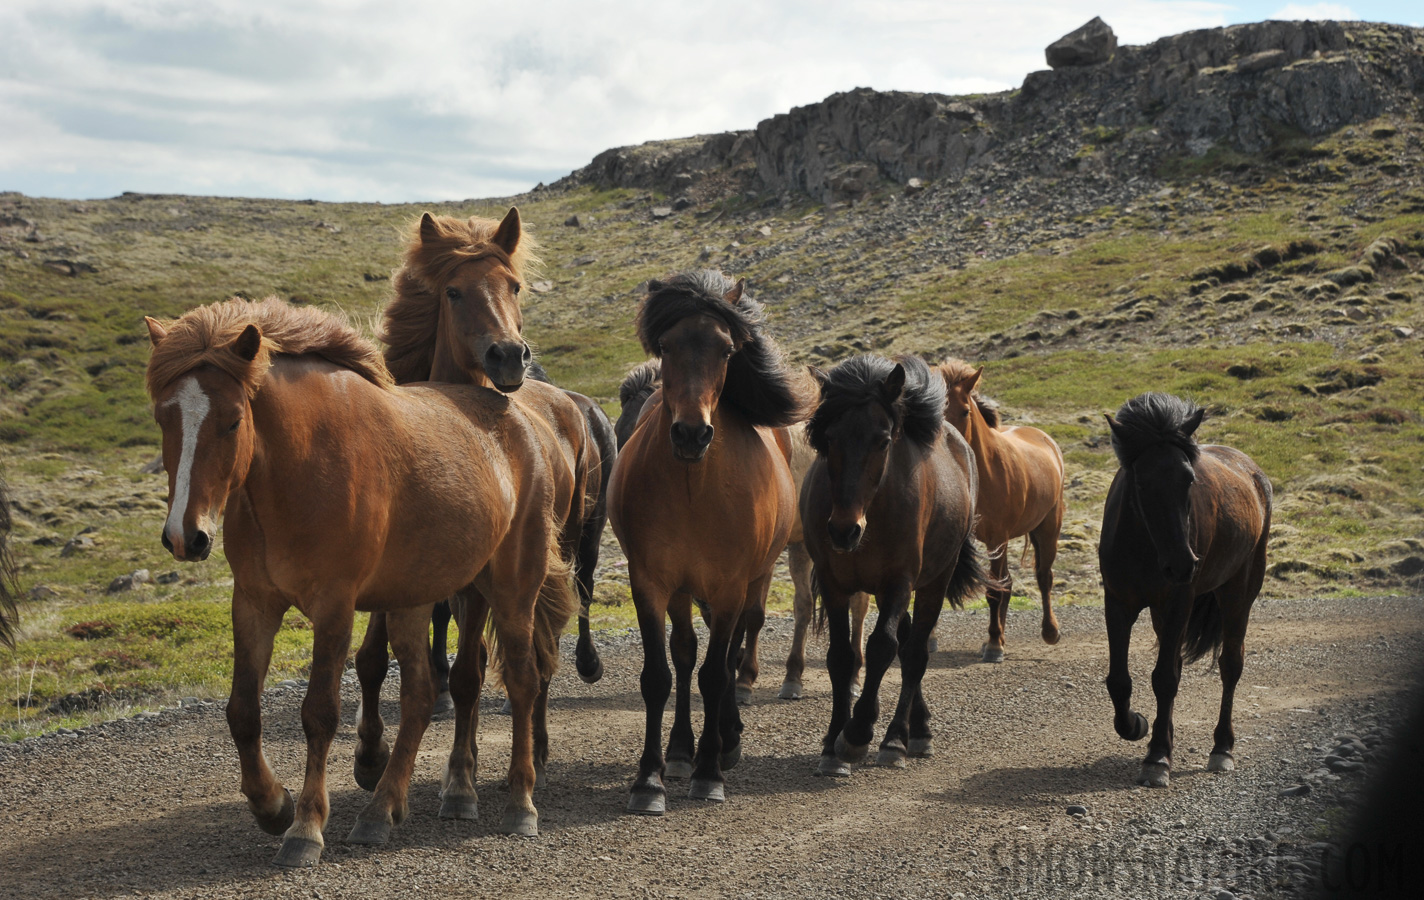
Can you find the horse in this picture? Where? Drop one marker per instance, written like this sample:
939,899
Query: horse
9,576
633,394
888,508
338,492
1185,528
456,319
702,503
1020,493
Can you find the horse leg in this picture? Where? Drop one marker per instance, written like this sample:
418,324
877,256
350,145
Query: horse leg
749,666
458,798
714,681
682,743
1129,725
1169,620
908,733
522,682
1233,652
998,598
439,661
1045,550
854,741
753,615
859,609
372,751
648,797
803,609
840,662
254,627
389,804
586,658
321,711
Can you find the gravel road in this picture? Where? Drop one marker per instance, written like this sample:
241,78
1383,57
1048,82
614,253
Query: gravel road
150,806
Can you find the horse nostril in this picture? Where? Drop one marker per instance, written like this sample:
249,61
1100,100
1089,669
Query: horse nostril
704,436
494,355
527,355
167,544
199,544
853,533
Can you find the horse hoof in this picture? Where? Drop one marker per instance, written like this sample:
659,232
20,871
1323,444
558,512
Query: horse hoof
790,690
847,753
444,707
369,831
459,807
832,767
1154,775
932,645
277,824
730,757
706,789
921,748
506,709
520,823
744,695
678,768
855,690
370,776
993,654
297,853
590,672
892,756
1139,728
1051,634
1220,762
647,802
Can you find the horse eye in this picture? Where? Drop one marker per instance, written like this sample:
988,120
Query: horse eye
235,425
517,287
452,293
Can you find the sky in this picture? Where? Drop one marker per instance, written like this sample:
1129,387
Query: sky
424,100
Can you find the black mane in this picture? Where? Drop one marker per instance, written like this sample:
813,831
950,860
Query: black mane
759,383
1155,418
918,413
989,409
640,382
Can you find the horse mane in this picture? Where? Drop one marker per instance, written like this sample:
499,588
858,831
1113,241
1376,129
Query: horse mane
956,370
759,384
9,574
918,412
202,336
640,382
1154,418
411,320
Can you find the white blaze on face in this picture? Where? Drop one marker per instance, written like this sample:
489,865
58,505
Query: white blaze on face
193,409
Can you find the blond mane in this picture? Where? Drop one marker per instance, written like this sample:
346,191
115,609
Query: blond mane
202,337
956,370
410,321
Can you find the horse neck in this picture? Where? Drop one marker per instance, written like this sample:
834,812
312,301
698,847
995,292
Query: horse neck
982,438
444,369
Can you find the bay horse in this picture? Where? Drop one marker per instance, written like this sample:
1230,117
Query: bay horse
702,502
9,576
1184,534
633,394
339,492
456,319
1020,493
888,509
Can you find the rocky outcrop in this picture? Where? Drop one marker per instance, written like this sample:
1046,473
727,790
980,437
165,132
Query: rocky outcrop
1089,45
1243,87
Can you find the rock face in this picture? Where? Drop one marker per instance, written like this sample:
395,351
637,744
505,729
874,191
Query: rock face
1089,45
1242,87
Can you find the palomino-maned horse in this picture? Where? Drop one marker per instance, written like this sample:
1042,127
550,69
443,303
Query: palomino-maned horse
1020,493
340,492
888,509
9,582
703,503
633,394
456,319
1184,534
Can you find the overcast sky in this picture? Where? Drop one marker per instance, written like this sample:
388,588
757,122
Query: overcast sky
448,99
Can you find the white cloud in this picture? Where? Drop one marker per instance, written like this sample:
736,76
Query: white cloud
1316,11
381,101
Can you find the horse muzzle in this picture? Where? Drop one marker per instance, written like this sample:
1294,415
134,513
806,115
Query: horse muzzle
506,363
846,538
1181,571
194,546
690,442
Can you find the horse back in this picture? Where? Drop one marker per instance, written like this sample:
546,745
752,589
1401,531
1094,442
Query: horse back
1020,482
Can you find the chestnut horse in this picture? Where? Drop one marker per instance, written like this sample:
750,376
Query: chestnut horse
888,508
633,394
1020,493
703,503
341,492
9,582
1184,533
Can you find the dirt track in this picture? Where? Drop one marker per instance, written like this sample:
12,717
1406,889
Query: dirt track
151,806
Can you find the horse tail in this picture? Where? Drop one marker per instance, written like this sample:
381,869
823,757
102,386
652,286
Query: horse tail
818,622
9,575
971,574
1203,630
556,604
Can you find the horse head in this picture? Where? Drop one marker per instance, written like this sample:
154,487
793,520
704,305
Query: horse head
959,399
695,351
208,440
1162,478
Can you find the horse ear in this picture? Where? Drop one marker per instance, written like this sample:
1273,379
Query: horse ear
734,296
156,332
248,343
894,384
974,380
1112,423
1194,422
653,285
506,236
428,231
821,377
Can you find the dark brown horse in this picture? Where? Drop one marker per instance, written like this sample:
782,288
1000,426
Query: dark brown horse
1020,493
702,502
9,581
1184,535
633,394
339,491
888,509
456,319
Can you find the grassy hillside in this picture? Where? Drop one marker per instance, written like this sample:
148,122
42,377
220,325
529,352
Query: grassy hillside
1285,292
